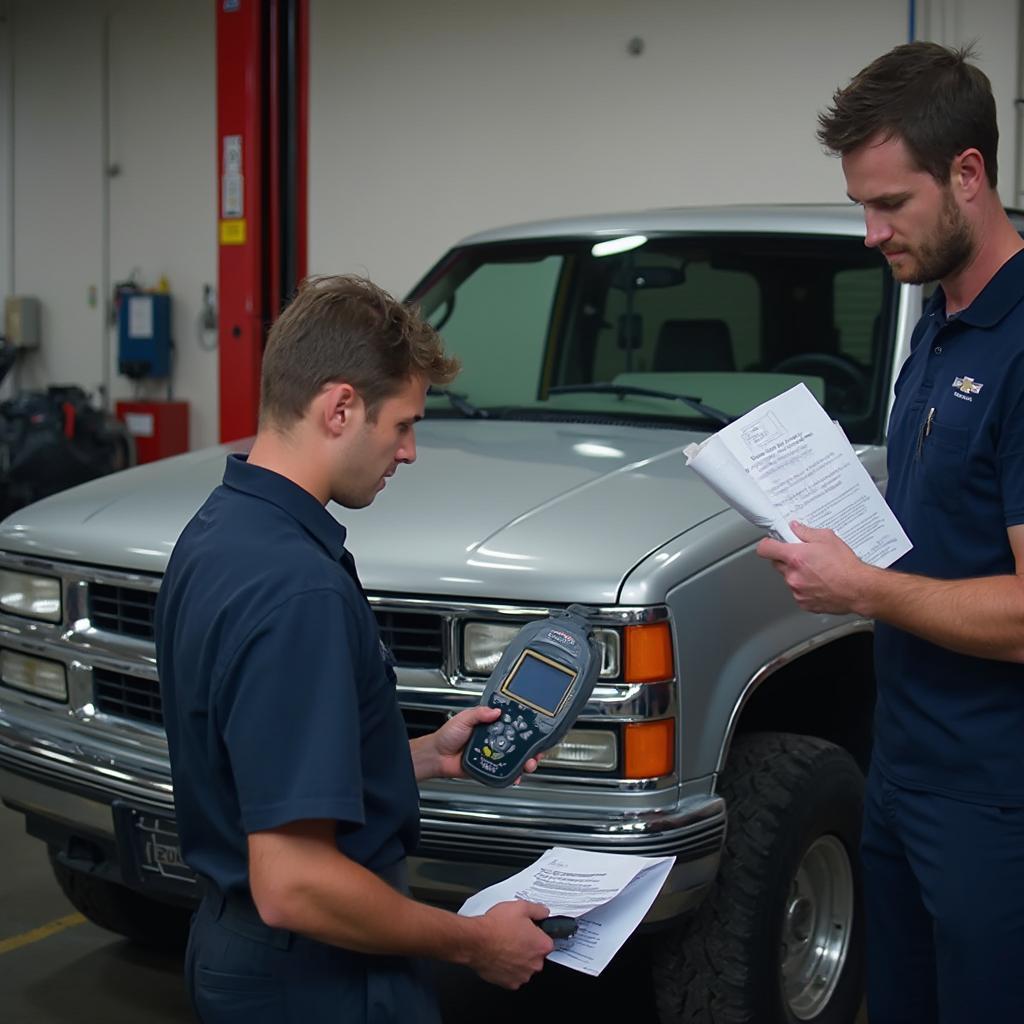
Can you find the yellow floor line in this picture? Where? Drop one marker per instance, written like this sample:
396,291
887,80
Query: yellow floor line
42,932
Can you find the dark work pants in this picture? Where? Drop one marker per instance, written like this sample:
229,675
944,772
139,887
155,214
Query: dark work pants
944,906
239,971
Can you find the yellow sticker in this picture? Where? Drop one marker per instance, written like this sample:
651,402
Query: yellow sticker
232,232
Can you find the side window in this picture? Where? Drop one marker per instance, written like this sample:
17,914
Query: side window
498,326
857,304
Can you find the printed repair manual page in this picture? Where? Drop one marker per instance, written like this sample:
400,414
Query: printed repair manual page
608,894
787,460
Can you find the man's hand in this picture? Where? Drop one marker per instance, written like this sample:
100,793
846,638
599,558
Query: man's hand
512,948
823,572
439,755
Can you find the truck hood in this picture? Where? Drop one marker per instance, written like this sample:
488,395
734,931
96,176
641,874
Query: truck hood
517,511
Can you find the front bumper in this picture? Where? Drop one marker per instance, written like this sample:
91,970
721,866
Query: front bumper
68,793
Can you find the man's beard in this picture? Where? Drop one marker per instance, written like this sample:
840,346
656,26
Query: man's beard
941,257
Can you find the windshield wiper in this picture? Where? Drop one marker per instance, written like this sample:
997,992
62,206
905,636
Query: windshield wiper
707,411
460,402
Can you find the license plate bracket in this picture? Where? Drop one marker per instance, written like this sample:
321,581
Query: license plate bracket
150,851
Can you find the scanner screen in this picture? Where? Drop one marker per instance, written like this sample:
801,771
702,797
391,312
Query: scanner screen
539,683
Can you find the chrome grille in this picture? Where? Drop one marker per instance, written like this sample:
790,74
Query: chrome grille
125,611
117,693
415,638
419,722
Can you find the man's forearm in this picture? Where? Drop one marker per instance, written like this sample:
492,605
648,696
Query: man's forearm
302,884
983,617
368,916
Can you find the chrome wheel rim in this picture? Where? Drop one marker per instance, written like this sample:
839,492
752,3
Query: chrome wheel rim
816,926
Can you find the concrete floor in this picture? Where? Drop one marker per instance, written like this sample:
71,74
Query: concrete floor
82,974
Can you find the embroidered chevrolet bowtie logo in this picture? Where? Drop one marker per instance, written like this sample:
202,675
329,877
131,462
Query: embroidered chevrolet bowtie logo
967,385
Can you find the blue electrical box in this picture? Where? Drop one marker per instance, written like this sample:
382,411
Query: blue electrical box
144,335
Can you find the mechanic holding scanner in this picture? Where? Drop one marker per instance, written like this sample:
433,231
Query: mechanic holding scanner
943,839
295,783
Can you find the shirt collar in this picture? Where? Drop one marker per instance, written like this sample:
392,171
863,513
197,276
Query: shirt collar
289,497
996,299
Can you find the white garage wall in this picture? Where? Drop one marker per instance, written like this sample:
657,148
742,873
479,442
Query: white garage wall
163,200
427,122
993,26
57,186
430,121
141,74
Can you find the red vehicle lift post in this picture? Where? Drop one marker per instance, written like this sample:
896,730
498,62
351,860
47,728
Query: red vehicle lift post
262,118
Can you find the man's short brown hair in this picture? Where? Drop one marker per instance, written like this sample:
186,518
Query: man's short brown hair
346,328
925,94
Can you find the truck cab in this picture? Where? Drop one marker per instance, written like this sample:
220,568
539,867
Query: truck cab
727,728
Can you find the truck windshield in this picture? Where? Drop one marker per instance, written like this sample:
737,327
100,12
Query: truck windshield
728,320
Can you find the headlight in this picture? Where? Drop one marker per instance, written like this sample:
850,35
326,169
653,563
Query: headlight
483,643
34,675
587,749
35,597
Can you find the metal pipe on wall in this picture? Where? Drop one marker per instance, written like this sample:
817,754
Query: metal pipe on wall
1018,121
7,16
106,300
9,386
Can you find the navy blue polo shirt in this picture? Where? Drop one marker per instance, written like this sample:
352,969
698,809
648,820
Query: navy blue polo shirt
947,722
278,699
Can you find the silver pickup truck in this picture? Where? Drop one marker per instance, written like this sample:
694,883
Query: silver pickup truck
728,728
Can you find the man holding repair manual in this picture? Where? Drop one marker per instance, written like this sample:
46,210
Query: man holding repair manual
943,838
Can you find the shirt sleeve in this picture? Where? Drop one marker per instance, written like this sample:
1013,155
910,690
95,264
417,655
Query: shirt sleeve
288,711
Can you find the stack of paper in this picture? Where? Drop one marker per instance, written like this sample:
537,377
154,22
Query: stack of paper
608,893
787,460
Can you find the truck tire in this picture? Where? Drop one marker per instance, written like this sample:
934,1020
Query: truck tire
779,940
122,910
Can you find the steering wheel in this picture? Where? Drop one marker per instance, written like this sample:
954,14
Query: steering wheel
846,384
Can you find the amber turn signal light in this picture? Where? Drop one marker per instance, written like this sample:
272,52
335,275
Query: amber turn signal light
650,749
648,653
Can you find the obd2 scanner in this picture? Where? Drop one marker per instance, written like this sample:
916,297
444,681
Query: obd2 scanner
541,684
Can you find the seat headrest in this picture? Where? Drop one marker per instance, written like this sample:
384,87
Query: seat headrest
697,345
